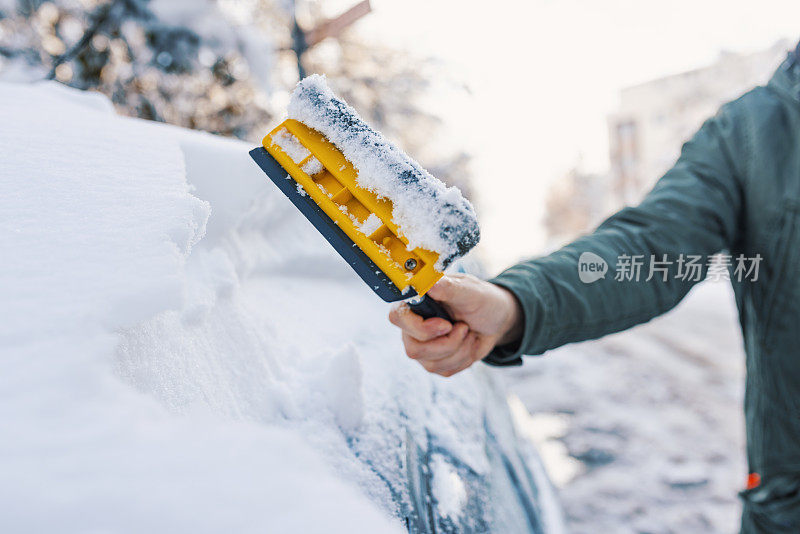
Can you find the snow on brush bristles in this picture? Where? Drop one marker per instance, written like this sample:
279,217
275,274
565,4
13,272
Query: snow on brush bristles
429,214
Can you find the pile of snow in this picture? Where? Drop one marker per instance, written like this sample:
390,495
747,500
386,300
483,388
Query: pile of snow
429,214
182,352
98,227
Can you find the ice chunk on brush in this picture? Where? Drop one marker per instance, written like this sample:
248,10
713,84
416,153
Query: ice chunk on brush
429,214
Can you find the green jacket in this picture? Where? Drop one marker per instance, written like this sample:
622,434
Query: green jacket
735,188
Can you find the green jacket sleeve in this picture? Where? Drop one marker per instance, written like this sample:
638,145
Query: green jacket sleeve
694,209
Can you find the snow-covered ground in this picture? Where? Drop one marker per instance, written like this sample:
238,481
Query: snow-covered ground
181,352
650,421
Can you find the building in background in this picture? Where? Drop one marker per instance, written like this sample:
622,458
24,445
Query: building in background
646,133
575,204
655,118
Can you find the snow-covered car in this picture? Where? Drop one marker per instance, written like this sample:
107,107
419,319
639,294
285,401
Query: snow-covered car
183,353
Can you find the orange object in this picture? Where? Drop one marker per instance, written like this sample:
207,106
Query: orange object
753,481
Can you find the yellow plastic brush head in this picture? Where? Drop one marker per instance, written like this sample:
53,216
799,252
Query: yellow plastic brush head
323,173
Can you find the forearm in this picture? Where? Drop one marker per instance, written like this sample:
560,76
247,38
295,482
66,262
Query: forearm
693,210
559,308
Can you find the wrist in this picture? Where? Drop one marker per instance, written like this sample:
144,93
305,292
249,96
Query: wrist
512,325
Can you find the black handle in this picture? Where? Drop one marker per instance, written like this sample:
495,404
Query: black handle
426,308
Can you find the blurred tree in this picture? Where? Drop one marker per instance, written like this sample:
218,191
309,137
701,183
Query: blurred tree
223,66
151,63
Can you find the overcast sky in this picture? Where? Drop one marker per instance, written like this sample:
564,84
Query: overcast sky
544,75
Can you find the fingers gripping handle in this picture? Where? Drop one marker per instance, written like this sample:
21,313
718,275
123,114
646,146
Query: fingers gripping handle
426,308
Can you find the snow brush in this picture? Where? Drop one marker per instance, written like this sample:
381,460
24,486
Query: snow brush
397,226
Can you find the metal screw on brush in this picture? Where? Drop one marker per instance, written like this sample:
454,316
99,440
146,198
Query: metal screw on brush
411,264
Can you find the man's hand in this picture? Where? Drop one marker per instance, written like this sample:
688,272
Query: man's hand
486,315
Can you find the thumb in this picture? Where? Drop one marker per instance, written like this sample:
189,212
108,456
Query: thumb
452,290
